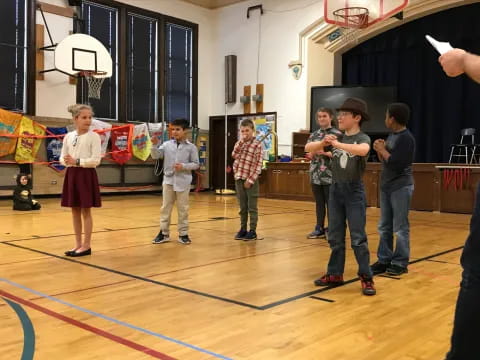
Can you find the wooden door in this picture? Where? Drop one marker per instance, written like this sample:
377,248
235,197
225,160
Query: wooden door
217,152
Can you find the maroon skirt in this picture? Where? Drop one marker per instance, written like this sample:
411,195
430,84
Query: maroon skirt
80,188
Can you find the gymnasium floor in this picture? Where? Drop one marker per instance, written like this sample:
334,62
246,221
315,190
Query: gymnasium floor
218,298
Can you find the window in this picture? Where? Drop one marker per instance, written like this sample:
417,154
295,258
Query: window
142,73
13,58
101,23
178,99
155,63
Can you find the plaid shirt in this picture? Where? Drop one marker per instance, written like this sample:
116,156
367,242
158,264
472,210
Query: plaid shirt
248,160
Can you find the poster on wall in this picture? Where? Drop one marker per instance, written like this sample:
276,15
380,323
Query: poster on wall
264,124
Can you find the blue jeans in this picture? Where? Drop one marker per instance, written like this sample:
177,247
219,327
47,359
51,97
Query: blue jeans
347,202
394,208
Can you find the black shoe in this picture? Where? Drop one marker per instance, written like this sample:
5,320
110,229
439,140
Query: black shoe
82,253
161,238
69,252
396,270
318,233
379,268
241,234
185,240
251,235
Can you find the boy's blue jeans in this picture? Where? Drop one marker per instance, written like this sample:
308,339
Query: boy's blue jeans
394,207
347,203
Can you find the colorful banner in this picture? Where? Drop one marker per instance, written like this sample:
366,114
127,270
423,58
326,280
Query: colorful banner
141,144
156,132
27,148
122,143
104,136
9,125
54,147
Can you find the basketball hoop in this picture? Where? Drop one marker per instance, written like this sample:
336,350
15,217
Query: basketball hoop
95,81
351,20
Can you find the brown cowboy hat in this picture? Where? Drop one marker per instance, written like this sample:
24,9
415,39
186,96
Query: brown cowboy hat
356,105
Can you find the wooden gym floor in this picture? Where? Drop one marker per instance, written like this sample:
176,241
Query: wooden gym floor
218,298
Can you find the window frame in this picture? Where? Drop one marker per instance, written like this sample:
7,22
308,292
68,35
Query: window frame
122,34
29,84
82,87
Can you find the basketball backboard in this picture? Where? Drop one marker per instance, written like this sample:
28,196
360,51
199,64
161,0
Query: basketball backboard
79,52
378,10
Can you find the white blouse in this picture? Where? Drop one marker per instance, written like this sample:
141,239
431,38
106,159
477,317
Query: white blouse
86,147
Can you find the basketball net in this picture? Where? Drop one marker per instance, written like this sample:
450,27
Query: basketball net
351,20
94,83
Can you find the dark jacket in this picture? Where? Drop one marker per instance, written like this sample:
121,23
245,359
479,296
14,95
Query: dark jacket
22,196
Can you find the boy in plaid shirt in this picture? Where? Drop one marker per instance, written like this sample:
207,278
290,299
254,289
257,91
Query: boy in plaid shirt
246,168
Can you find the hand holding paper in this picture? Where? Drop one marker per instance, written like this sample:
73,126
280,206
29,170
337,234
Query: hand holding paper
441,47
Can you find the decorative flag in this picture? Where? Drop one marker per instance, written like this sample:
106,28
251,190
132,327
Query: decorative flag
54,147
141,144
104,135
122,143
27,148
156,132
9,124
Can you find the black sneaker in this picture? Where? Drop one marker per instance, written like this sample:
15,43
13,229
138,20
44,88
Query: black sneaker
251,235
241,234
318,233
161,238
396,270
379,268
184,239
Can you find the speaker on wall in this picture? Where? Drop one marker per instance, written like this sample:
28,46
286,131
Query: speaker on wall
75,2
230,78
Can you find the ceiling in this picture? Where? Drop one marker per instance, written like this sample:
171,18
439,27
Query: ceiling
213,4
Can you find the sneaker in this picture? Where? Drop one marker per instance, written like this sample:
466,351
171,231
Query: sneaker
184,239
241,234
161,238
396,270
329,280
368,287
316,234
379,268
251,235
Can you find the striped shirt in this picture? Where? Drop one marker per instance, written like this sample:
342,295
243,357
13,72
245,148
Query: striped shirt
248,160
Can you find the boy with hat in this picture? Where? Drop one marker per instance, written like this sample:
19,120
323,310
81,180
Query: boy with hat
347,200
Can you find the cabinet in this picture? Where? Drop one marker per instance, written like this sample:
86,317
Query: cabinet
299,140
289,181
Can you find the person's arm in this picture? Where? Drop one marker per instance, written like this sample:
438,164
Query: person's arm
355,149
158,152
380,156
457,62
377,146
257,168
401,155
194,163
95,153
315,146
237,149
64,151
